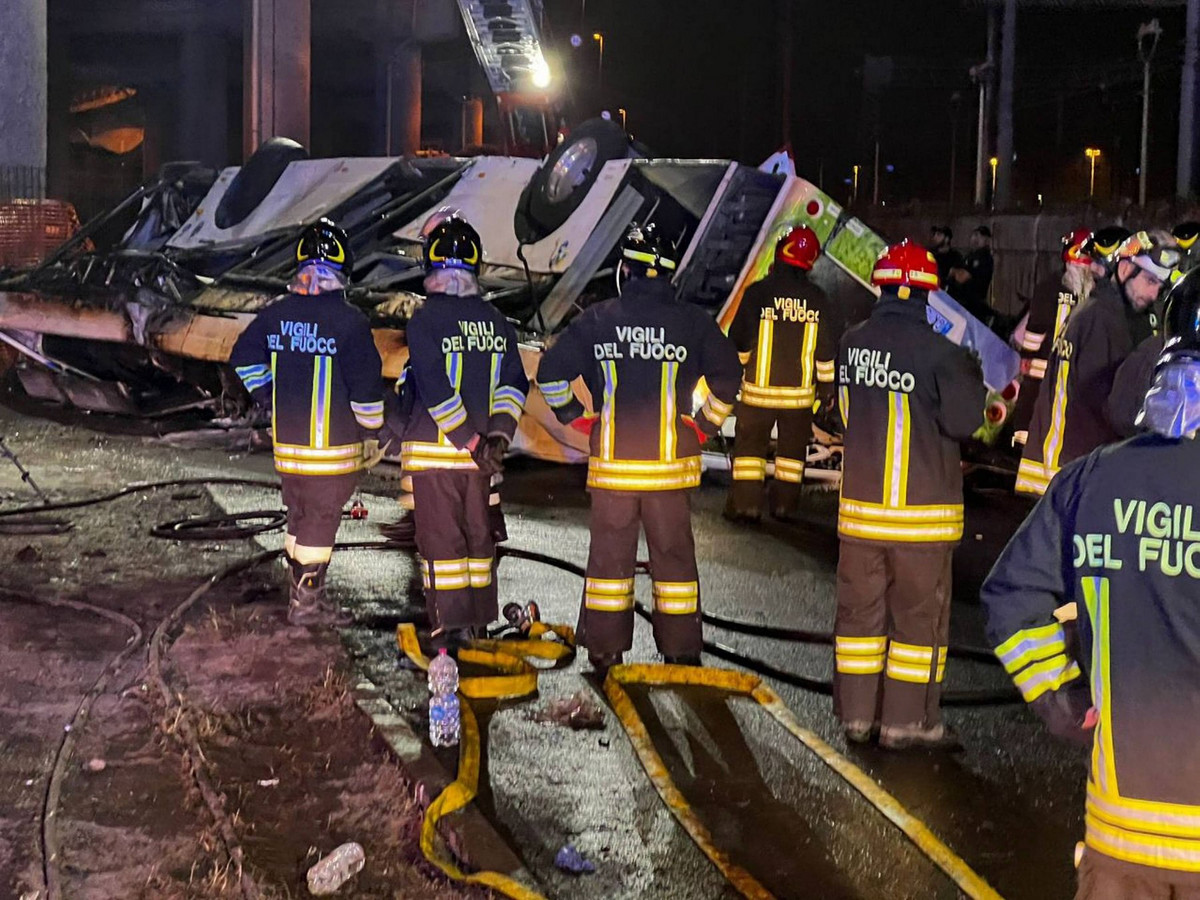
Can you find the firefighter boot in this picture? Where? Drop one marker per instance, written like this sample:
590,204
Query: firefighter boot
307,600
602,662
918,737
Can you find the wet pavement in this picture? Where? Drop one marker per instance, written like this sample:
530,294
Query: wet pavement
1010,804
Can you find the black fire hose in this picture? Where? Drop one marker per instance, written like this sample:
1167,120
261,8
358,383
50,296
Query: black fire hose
820,686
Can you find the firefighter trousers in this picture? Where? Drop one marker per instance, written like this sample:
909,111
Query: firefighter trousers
891,633
606,618
458,552
1104,878
751,443
314,512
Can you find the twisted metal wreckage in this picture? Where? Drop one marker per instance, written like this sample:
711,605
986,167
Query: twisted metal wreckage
140,322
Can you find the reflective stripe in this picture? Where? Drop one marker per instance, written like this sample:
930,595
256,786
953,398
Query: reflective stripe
909,663
301,452
859,655
789,470
254,377
762,364
895,476
1150,817
508,400
643,474
667,413
1032,477
446,574
1031,645
844,404
322,400
1104,765
1047,675
825,370
450,413
808,348
749,468
369,415
876,521
557,393
1052,448
716,410
1037,369
778,397
298,467
420,456
607,412
1033,341
677,598
480,570
902,533
1138,845
608,594
1020,437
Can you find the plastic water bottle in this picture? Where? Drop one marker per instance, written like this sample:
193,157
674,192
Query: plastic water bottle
328,875
443,674
444,720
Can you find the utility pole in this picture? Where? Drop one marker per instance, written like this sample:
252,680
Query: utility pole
1185,161
1004,120
955,101
785,64
1147,42
982,76
875,198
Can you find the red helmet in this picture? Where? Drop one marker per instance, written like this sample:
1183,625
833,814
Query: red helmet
1072,247
798,247
907,264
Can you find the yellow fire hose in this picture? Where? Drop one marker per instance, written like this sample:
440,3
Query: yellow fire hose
517,678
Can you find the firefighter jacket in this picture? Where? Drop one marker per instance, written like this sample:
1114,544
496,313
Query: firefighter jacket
908,397
1071,416
641,356
1118,533
466,378
1049,308
313,358
786,338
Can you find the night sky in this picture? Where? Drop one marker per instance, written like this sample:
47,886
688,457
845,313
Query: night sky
713,88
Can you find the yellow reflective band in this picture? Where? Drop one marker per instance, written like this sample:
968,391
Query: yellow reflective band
421,456
608,435
825,371
895,476
906,533
677,598
864,645
867,665
608,594
1047,675
844,405
1031,645
1096,599
789,470
643,475
609,585
667,414
1052,448
907,673
912,653
1176,854
480,570
1037,369
749,468
808,348
556,393
301,452
778,397
715,410
1033,341
859,655
1150,817
766,338
1032,478
875,521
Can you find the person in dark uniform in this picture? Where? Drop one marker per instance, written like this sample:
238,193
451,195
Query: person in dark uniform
786,332
1053,300
468,389
970,283
641,355
908,398
1114,537
311,358
1185,235
941,238
1072,417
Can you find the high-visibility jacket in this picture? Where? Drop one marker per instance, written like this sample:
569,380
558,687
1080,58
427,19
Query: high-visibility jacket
908,397
786,336
1071,416
1049,309
1117,533
312,357
641,356
466,378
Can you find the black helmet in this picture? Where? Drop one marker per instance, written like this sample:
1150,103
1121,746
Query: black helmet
1103,243
1185,234
453,244
645,252
325,242
1181,330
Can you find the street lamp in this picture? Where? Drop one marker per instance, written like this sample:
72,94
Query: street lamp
621,111
993,162
854,192
1092,153
599,38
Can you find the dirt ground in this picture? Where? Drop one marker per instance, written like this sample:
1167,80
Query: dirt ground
295,764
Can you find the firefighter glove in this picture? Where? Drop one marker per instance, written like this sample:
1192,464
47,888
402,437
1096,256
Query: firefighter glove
373,452
489,454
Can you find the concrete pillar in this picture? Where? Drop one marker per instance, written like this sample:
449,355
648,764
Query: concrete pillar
23,99
472,122
204,113
277,54
403,105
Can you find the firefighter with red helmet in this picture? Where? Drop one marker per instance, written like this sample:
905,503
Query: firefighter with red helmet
641,355
1074,416
908,398
311,358
1054,298
786,336
467,387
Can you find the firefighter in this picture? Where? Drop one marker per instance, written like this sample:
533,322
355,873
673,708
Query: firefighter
311,358
908,398
1072,418
787,340
1054,298
1185,235
641,355
1114,536
468,391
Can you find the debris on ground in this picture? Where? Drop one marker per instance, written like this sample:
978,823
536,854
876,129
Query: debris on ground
334,870
579,712
571,860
